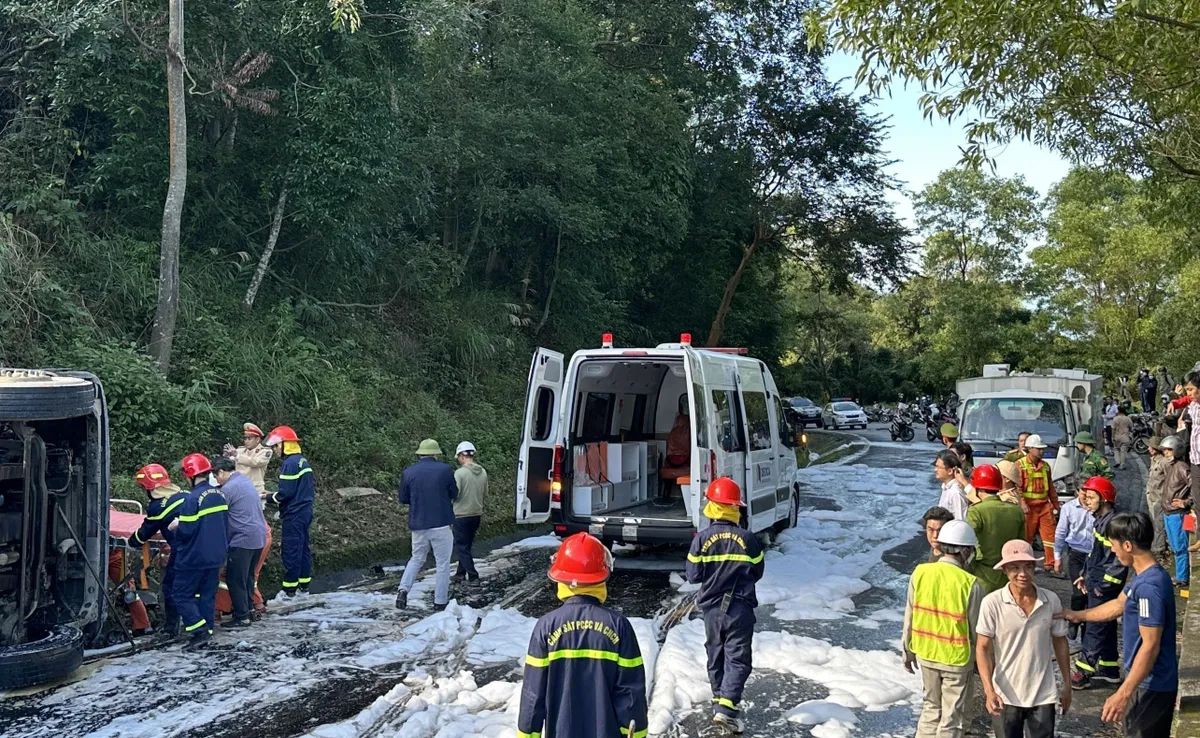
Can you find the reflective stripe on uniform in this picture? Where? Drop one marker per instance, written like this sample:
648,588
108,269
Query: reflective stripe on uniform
202,513
582,653
292,585
1085,666
724,702
1035,481
1113,664
711,558
297,475
167,509
528,735
304,580
1033,496
1110,578
200,624
638,734
1101,538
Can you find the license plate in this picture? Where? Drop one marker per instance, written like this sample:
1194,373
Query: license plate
629,532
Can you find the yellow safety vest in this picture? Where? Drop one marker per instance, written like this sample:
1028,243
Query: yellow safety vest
940,631
1036,482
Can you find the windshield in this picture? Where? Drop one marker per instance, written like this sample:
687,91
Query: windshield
1001,419
845,407
801,402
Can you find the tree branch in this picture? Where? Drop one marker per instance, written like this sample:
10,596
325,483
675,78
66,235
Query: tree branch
1164,20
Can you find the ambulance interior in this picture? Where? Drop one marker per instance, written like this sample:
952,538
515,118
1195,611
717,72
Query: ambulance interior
630,442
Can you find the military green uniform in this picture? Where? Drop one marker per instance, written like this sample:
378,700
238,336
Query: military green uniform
1095,465
1014,456
996,522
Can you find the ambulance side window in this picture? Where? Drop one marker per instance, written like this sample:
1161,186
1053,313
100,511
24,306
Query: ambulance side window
543,414
701,410
785,428
729,421
759,420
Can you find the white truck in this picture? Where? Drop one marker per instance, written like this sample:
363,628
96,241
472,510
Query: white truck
1054,403
622,442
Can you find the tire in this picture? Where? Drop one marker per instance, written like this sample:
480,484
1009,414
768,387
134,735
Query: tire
45,397
820,423
52,657
1140,446
908,434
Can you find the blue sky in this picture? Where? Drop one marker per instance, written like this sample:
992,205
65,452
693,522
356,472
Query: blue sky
924,148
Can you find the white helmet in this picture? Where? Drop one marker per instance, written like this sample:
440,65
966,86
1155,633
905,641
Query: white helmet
466,447
1035,441
957,533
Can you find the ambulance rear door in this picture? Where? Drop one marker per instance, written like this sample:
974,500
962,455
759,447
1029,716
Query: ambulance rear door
539,437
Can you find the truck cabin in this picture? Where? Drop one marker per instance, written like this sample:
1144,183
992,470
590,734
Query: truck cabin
991,424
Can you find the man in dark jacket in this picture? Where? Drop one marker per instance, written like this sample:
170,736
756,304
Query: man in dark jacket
1103,579
166,500
584,676
297,491
726,560
429,490
1176,503
200,547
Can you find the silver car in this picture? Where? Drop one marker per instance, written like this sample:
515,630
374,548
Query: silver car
842,414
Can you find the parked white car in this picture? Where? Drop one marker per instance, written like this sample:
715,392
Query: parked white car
843,415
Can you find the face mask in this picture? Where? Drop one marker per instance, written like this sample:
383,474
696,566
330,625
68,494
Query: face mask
212,479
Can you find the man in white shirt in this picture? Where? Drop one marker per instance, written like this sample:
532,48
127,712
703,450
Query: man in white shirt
954,497
1017,633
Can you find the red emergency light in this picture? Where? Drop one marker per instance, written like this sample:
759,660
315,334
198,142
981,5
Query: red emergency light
685,339
606,340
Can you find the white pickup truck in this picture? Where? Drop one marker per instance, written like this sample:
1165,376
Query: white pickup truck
1054,403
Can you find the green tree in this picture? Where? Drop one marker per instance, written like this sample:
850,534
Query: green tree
1112,80
976,226
1106,267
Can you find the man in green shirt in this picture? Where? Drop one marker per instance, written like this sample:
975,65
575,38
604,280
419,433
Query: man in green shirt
472,484
1094,464
1015,455
996,522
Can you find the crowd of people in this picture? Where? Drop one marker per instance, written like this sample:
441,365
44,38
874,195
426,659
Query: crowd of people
974,607
217,535
975,616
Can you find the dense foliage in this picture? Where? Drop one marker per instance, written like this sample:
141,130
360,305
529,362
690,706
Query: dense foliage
1099,275
444,185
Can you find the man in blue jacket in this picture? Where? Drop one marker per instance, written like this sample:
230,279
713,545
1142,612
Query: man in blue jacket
584,674
166,500
297,490
726,560
200,545
429,490
1103,579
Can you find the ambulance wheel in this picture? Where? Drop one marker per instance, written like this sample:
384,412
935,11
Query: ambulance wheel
793,514
54,655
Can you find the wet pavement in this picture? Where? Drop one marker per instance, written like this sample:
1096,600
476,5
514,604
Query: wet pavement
327,661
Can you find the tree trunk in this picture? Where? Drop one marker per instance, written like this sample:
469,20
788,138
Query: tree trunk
162,332
718,324
263,261
550,291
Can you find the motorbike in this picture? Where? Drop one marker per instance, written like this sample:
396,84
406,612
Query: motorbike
901,428
1143,429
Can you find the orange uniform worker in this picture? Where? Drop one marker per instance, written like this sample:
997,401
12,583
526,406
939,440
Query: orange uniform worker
1039,500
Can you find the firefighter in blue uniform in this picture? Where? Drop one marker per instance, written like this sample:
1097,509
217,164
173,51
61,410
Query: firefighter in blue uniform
166,500
200,548
584,673
295,499
726,560
1103,580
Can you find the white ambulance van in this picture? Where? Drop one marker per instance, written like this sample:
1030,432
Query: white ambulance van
622,442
